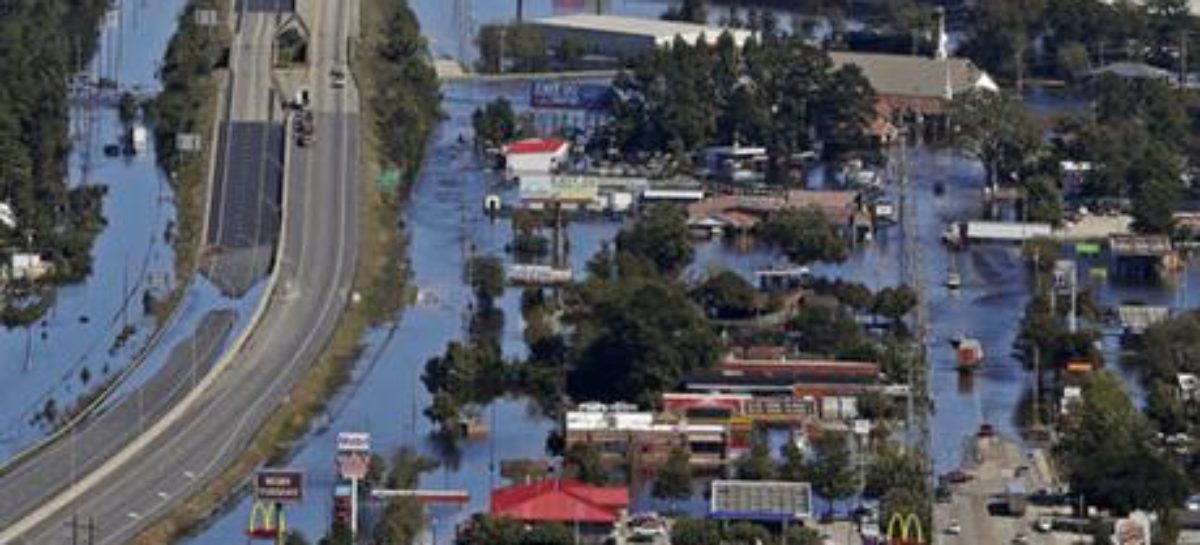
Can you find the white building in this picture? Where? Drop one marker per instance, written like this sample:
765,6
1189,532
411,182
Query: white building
535,156
27,266
621,37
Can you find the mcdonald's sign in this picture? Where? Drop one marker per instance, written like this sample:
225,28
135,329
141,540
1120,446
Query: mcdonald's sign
905,530
267,521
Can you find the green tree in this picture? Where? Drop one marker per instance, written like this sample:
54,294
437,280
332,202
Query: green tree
805,235
998,130
583,463
549,534
893,467
747,533
659,237
487,278
673,482
795,464
295,538
495,123
1043,200
893,303
756,465
691,11
726,295
689,531
1166,409
832,472
1108,455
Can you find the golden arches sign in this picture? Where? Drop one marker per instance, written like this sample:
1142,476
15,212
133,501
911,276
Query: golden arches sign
267,522
900,530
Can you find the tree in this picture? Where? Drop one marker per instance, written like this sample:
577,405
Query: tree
844,109
583,463
805,235
487,278
833,475
795,464
634,337
660,237
548,534
690,11
1108,454
1043,200
746,533
894,303
673,481
495,123
689,531
726,295
756,465
1166,409
295,538
998,130
893,467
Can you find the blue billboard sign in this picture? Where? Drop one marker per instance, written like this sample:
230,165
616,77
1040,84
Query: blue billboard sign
569,95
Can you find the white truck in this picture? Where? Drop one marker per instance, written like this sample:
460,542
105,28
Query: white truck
995,231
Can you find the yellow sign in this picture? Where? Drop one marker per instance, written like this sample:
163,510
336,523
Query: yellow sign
267,522
900,530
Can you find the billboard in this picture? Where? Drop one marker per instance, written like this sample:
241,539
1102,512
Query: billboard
351,441
279,485
570,95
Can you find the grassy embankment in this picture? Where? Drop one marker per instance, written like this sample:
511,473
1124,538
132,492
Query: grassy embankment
399,111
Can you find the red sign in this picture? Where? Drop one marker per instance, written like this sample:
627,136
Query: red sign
279,485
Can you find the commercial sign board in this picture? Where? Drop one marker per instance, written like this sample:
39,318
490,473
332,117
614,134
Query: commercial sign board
905,529
570,95
352,441
279,485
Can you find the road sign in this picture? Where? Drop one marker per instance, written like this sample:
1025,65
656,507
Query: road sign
352,441
279,485
353,465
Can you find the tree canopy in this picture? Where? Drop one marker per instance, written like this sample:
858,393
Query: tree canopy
1108,453
805,235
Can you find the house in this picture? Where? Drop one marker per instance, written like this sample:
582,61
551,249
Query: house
645,439
621,37
915,84
593,509
535,156
27,266
1139,258
745,211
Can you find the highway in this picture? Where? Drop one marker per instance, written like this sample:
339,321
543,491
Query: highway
180,453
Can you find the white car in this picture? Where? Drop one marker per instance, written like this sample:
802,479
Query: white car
1043,525
954,528
1193,503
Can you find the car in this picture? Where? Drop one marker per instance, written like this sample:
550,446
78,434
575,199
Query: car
338,77
987,430
958,476
1193,503
1043,525
954,528
1020,539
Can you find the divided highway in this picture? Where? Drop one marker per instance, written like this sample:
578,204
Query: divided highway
177,455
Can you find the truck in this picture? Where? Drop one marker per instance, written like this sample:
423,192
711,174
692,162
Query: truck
962,232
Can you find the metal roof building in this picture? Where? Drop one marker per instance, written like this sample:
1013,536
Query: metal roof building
617,36
760,500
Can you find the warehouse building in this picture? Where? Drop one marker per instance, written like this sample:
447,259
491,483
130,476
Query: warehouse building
624,37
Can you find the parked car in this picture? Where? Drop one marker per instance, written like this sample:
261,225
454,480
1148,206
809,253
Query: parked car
958,476
954,528
987,430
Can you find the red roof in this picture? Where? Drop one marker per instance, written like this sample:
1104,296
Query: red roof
560,500
535,145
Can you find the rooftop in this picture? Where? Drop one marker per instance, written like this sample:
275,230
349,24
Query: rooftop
915,76
1132,70
1140,245
658,29
560,500
760,500
535,145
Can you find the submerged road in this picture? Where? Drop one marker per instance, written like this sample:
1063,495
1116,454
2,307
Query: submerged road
181,453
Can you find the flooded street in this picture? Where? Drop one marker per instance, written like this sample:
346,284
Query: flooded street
445,221
47,360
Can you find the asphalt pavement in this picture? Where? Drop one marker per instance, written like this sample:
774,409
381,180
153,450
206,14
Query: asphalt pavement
183,451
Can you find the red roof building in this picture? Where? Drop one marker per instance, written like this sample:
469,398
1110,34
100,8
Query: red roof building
560,500
535,145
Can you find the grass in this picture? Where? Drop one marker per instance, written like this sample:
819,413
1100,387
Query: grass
380,289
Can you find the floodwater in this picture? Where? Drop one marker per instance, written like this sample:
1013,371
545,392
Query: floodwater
46,360
444,220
